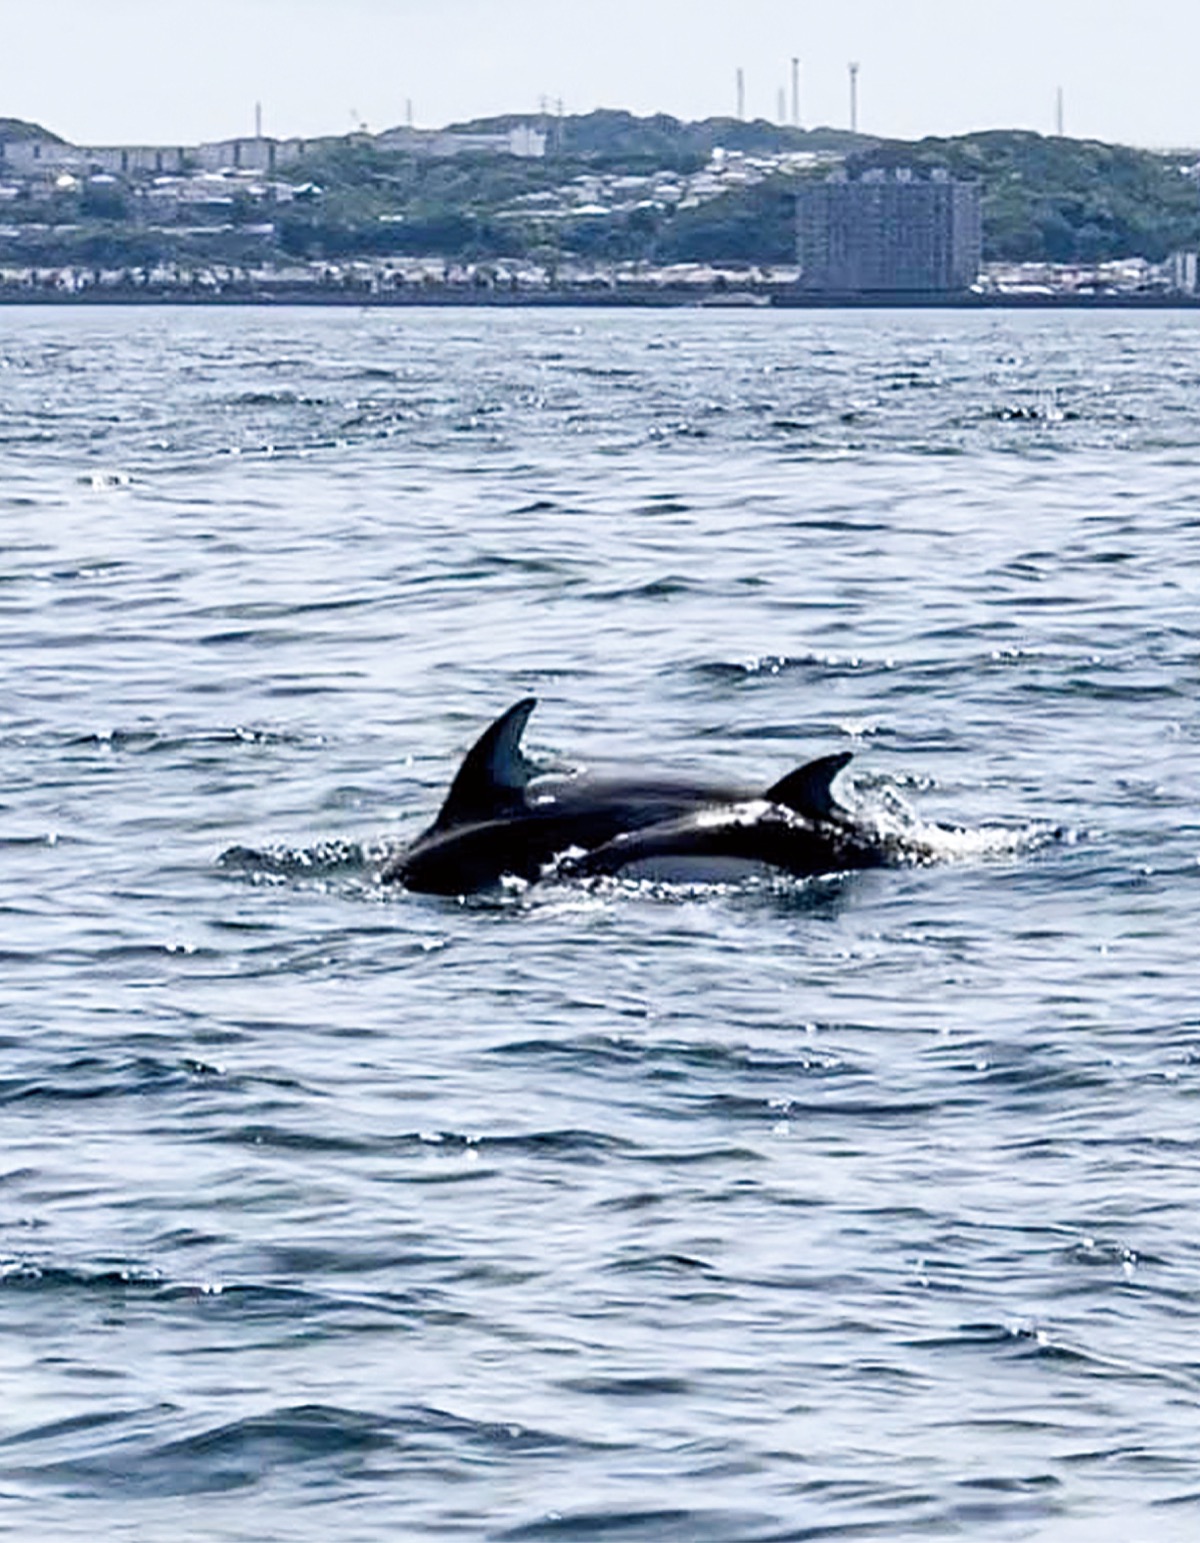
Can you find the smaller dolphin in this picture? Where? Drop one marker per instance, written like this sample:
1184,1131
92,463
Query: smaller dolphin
502,818
736,840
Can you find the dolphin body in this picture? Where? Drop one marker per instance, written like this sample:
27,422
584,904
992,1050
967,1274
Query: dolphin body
502,818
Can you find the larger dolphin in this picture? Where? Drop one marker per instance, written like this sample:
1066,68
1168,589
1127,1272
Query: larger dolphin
502,818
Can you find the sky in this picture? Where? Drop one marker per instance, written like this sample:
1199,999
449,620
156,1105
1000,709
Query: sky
163,72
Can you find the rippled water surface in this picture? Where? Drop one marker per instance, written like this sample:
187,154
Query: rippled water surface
863,1208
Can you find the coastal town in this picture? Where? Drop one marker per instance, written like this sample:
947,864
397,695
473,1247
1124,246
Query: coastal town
512,212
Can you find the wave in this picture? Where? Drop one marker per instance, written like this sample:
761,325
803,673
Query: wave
88,1078
888,820
126,1456
663,1524
324,859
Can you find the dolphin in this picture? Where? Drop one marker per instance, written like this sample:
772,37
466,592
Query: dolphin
502,818
731,841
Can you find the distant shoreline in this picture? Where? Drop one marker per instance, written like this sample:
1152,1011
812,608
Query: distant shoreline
648,299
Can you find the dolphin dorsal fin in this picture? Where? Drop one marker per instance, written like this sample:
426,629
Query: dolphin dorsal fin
809,789
494,773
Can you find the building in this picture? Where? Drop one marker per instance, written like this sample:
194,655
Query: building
1183,272
44,157
882,234
245,154
522,140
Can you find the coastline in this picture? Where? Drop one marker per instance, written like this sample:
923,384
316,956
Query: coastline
647,298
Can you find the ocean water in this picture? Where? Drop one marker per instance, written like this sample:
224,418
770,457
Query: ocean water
861,1208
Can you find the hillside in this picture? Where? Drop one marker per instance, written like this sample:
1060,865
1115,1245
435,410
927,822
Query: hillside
1044,199
17,129
608,135
612,187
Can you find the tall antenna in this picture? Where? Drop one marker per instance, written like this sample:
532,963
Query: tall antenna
1058,113
258,120
854,98
408,114
795,93
741,93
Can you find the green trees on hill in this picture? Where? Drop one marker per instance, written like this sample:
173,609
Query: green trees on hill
757,225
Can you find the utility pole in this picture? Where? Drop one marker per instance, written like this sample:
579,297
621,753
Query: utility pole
854,98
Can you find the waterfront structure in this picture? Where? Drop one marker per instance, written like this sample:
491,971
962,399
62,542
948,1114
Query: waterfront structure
896,234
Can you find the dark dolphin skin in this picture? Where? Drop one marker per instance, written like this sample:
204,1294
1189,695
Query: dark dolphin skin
501,818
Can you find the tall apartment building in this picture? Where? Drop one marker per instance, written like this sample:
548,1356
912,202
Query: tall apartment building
889,235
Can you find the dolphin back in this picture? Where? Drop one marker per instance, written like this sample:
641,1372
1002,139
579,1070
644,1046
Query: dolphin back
492,778
809,789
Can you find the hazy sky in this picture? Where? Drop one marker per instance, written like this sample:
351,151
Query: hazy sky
159,71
